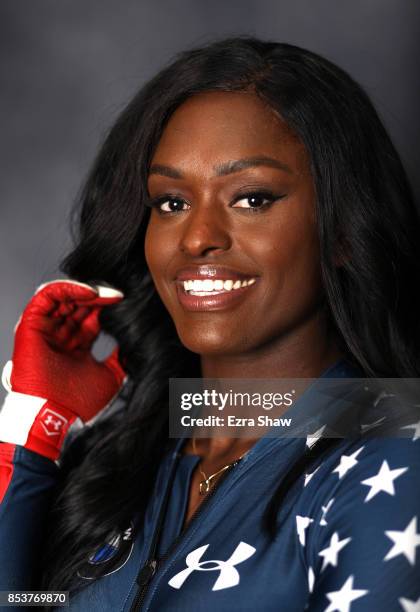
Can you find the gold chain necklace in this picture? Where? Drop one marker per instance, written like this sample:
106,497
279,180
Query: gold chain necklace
208,480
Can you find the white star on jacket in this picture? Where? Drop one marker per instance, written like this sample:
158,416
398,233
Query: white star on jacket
311,579
416,427
383,480
377,489
322,520
346,463
312,438
309,476
330,554
302,523
408,605
341,600
381,396
405,542
367,426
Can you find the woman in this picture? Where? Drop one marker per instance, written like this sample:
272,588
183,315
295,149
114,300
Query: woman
241,161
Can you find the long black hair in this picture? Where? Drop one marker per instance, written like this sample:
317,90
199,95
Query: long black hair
366,219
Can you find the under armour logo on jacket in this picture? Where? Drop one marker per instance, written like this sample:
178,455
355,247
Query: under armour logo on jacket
228,576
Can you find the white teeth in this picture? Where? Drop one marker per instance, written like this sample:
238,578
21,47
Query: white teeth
209,286
206,292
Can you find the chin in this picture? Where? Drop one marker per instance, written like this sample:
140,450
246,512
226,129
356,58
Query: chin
210,342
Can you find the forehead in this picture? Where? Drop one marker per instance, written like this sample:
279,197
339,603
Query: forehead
210,128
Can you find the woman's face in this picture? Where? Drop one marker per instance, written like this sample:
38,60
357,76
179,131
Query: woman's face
233,202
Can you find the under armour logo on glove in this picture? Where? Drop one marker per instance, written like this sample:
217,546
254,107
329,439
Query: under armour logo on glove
228,576
52,422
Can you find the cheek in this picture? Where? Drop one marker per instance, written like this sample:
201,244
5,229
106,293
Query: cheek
149,240
159,251
155,251
292,267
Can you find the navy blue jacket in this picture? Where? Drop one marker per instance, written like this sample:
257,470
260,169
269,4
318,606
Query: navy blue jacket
348,536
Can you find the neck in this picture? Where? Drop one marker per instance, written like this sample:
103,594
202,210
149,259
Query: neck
305,353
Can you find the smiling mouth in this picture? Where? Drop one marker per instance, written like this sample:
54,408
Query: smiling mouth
209,287
213,294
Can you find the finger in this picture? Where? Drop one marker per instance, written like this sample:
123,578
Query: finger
82,334
103,296
57,326
108,292
66,308
90,328
50,311
107,296
80,313
47,325
62,310
61,328
45,300
79,334
70,329
64,284
90,325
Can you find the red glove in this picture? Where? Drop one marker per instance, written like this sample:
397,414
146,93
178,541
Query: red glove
54,378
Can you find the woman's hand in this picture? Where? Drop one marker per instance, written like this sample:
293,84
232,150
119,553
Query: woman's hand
53,364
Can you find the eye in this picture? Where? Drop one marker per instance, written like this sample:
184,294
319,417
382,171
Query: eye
255,201
168,204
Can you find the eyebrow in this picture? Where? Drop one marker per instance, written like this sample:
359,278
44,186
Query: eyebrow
228,167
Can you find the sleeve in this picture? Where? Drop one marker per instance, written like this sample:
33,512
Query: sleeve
364,553
27,482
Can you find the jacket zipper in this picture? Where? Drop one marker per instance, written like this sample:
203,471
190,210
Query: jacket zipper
151,566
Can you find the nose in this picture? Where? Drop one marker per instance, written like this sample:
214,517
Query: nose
206,230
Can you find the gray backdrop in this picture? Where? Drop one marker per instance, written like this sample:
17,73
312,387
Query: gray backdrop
69,66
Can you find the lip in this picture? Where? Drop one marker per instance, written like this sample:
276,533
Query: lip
220,301
211,272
